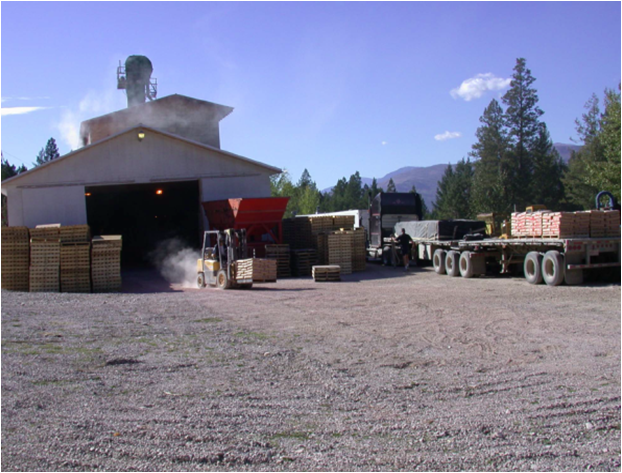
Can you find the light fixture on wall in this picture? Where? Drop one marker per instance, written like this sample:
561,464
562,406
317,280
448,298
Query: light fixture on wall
88,194
159,192
141,135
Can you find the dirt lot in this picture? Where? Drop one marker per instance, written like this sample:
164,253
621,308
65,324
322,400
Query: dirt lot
384,371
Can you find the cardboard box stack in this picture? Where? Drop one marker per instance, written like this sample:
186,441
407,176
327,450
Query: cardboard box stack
106,263
15,258
612,223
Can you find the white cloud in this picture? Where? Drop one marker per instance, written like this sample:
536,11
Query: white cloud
448,135
19,110
475,87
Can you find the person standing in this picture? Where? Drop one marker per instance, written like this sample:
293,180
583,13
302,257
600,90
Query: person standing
405,242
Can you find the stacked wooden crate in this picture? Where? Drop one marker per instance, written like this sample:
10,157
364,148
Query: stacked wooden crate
326,273
321,224
280,253
340,250
15,258
297,232
359,252
45,259
343,221
612,223
75,267
75,258
106,263
302,261
322,248
256,269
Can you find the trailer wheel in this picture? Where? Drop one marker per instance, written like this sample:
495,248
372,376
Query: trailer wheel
438,261
466,265
532,267
222,281
452,263
553,268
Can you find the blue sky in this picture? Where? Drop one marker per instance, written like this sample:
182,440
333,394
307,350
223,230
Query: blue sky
332,87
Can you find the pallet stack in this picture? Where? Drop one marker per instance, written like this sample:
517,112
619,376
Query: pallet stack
106,263
15,258
280,253
75,234
322,248
345,222
75,267
359,253
321,224
297,232
302,261
340,250
44,262
612,223
256,269
326,273
597,224
519,226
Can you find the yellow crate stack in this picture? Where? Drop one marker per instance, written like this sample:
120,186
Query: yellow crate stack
106,263
15,258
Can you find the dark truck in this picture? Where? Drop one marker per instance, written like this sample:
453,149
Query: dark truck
386,210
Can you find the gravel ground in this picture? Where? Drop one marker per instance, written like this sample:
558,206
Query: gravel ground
384,371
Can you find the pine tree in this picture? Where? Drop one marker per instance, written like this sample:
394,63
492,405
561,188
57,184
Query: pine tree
492,167
548,169
453,194
522,118
391,186
47,154
375,189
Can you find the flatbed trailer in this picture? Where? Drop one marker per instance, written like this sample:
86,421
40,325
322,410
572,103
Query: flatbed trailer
552,260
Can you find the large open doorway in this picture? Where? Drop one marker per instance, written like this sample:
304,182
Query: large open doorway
145,215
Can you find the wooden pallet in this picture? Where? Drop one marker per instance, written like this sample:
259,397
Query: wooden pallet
326,273
280,253
302,261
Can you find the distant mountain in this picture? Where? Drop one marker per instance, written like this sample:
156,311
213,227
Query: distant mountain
426,179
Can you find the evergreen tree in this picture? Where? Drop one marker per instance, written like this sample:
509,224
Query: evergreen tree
492,167
47,154
522,118
391,186
375,189
605,174
10,170
548,169
453,194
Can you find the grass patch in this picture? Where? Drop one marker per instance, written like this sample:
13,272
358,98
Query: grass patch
208,320
252,335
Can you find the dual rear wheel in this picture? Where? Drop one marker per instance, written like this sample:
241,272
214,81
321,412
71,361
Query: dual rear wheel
549,268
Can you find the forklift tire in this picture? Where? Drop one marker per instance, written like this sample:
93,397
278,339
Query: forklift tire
201,280
438,261
452,263
532,267
222,281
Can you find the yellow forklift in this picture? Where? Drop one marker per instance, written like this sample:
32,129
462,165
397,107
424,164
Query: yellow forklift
220,251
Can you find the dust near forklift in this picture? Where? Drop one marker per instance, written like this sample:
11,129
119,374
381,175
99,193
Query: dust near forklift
145,215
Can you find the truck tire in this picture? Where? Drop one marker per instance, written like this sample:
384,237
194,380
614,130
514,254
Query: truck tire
222,281
201,280
532,267
466,265
553,268
452,263
438,261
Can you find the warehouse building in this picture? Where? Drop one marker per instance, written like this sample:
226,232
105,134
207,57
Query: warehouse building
142,173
